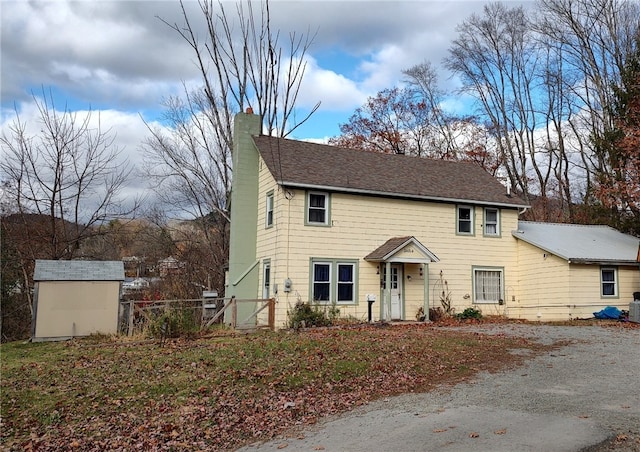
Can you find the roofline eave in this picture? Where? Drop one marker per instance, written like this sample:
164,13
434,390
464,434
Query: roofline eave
399,195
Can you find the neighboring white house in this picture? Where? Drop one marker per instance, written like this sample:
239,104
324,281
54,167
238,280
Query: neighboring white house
75,298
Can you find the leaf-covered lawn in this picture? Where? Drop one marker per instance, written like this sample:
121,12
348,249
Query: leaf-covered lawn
220,392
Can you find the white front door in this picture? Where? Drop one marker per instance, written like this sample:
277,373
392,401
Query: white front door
396,291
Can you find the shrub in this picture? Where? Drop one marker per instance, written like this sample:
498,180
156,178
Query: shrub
436,314
173,323
304,315
469,313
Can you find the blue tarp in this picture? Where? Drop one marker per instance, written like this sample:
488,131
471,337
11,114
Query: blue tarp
610,312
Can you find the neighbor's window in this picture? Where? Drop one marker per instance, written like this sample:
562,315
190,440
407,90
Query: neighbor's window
318,208
334,280
465,220
487,285
269,210
609,282
491,221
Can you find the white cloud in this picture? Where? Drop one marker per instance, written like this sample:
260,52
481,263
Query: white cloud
126,129
335,91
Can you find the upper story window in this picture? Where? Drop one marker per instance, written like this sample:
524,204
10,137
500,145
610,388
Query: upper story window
609,282
464,220
491,222
317,208
269,210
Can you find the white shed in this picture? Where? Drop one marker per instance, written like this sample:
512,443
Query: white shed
75,298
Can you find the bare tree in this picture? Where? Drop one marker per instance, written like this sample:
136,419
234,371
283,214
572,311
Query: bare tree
496,59
71,172
543,83
242,66
62,181
593,39
247,69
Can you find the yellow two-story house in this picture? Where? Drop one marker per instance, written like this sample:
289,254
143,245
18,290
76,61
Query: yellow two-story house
383,237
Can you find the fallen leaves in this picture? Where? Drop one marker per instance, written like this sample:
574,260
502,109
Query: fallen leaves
217,393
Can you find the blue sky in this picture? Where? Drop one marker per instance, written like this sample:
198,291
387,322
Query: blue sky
118,58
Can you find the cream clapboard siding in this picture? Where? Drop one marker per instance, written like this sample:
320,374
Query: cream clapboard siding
551,289
629,278
584,297
360,224
76,308
543,280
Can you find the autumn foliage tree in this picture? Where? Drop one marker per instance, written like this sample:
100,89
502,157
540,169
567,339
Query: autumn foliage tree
392,122
410,121
619,190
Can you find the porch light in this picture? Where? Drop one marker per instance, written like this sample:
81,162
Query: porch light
421,271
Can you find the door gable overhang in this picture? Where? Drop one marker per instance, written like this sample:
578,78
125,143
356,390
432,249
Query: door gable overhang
402,250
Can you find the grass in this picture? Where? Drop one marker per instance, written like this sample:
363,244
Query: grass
224,391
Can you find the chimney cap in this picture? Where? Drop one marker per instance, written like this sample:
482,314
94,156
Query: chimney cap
249,110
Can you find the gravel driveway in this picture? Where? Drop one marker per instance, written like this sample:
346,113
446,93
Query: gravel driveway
583,396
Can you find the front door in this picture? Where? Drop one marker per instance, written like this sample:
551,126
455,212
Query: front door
395,291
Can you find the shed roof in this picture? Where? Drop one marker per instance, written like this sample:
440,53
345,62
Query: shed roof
581,243
63,270
323,167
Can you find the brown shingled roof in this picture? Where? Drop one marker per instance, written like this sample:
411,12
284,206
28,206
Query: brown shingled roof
309,165
386,248
391,246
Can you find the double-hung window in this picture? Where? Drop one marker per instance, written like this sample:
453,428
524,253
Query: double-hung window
317,208
608,282
488,284
464,220
491,222
322,281
333,281
345,282
269,210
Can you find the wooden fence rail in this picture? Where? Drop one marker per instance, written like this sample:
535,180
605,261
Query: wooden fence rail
136,314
